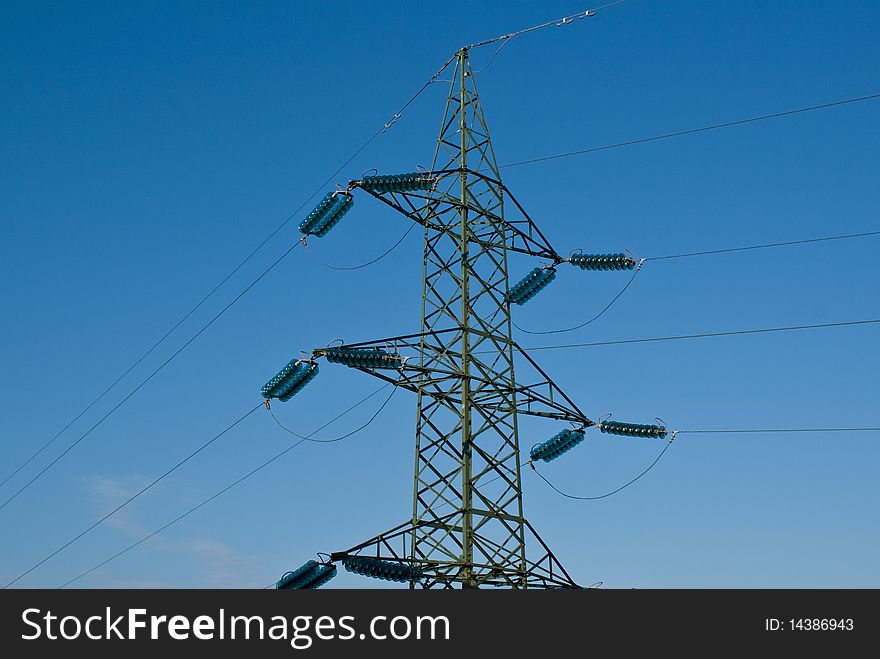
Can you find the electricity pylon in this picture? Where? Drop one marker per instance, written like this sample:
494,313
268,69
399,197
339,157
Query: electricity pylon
467,524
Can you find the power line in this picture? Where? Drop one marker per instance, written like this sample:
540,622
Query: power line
386,126
237,268
690,254
194,309
309,438
221,492
358,152
681,432
691,131
584,324
368,263
183,462
561,155
607,494
493,58
137,494
681,337
763,246
431,81
150,376
559,22
565,20
762,430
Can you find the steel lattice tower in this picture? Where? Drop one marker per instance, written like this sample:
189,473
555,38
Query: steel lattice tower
458,450
467,525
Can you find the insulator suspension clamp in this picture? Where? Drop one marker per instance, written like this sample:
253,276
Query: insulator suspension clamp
530,285
327,213
409,182
369,358
632,429
597,262
381,569
562,442
289,380
309,576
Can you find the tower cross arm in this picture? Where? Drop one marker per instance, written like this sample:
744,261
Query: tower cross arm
387,360
431,207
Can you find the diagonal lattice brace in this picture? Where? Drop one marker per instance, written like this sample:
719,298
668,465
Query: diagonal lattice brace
545,571
541,397
432,208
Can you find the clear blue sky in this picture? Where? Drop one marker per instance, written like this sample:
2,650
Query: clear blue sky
147,147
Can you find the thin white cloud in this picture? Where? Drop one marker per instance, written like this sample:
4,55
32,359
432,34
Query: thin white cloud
222,566
218,564
105,494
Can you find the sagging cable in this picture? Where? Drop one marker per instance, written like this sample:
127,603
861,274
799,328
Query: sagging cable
360,266
594,318
612,492
211,498
310,438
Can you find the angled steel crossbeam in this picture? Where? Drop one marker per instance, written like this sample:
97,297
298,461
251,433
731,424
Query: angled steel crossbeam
438,209
542,397
392,546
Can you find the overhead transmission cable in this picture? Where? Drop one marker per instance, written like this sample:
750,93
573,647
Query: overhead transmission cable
775,430
712,252
559,22
309,437
626,341
201,302
607,494
493,58
762,246
219,493
691,131
149,377
682,337
182,462
682,432
368,263
397,243
136,495
198,305
385,127
594,318
561,155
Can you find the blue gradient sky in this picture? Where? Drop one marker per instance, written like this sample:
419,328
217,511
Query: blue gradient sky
147,147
